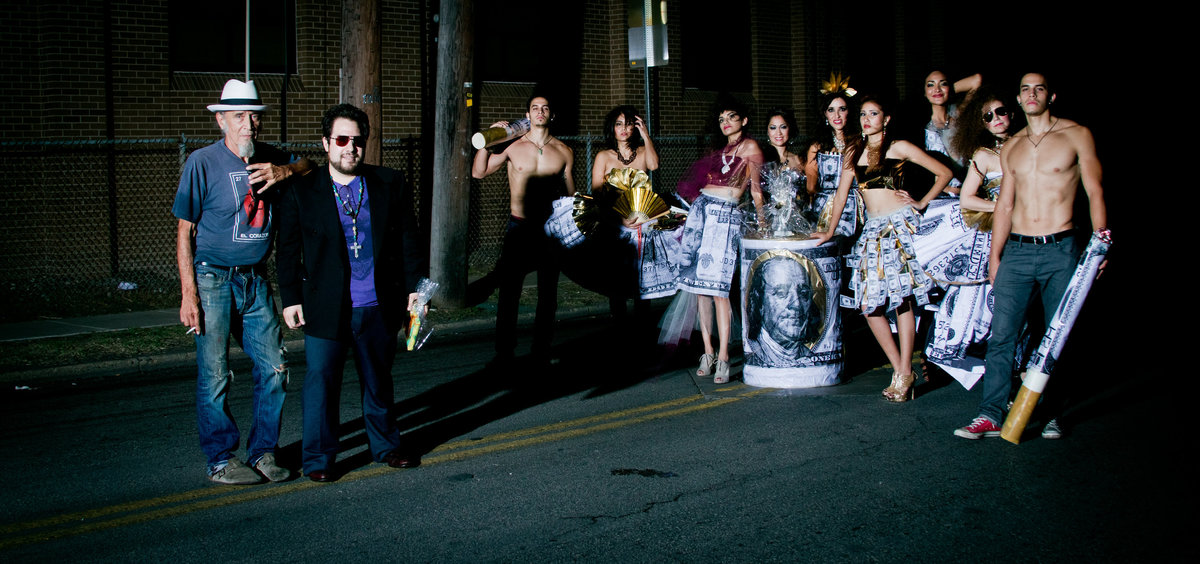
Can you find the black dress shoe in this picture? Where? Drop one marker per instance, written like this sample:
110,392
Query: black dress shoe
321,476
397,460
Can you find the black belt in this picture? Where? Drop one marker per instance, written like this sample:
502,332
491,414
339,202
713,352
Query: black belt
233,269
1042,239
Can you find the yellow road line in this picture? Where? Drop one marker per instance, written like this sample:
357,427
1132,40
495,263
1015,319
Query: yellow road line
195,500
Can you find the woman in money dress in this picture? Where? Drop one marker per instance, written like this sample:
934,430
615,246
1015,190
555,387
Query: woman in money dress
942,122
886,276
964,317
712,234
627,144
824,173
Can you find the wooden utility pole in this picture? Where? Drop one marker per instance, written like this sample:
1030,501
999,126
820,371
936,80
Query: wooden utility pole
452,151
362,67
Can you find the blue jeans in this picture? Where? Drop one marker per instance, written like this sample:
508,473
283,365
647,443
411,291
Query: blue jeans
374,349
1024,268
239,304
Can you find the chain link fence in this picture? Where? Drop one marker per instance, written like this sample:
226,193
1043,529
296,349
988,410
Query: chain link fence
87,226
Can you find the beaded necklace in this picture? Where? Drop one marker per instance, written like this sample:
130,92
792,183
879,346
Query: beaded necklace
352,212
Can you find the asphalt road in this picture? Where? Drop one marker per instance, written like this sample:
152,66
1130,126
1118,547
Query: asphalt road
599,461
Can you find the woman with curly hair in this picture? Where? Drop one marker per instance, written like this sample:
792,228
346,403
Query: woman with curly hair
627,144
964,318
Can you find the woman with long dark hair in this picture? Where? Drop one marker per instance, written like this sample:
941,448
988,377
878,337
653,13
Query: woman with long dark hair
943,119
627,144
886,276
781,132
824,173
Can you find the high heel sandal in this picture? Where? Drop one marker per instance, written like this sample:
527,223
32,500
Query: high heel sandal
901,389
722,375
706,365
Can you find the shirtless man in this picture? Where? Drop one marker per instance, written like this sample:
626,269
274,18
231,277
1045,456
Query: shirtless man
539,171
1033,231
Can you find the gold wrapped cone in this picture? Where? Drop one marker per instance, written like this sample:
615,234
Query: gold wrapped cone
627,178
640,204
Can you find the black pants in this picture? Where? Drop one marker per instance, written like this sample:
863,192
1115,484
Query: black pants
526,248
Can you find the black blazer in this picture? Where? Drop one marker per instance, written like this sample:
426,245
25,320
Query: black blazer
311,255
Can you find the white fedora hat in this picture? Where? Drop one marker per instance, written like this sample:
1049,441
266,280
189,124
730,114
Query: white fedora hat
238,95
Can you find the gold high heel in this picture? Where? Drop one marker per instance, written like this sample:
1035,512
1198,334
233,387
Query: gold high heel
901,389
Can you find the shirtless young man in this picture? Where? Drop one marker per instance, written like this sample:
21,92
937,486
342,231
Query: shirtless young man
539,171
1034,234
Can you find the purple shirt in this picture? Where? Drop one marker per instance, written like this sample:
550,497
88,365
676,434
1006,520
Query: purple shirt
362,267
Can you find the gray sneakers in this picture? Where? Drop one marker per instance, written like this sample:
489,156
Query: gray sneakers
1052,430
235,473
267,467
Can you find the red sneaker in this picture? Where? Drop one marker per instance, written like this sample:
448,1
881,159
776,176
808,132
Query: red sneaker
979,428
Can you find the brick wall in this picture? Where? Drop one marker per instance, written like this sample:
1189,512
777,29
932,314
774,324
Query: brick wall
62,77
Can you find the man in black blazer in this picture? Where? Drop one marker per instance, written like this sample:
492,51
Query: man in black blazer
349,259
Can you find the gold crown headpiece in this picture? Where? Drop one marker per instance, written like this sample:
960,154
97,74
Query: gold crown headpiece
837,84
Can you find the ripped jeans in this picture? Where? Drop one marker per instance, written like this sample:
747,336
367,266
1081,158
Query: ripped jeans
238,304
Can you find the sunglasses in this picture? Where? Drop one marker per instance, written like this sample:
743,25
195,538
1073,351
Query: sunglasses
1001,111
358,140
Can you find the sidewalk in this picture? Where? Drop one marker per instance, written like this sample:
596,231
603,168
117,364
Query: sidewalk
477,319
45,328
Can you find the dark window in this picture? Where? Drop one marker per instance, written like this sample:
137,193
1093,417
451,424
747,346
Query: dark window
533,41
716,47
211,36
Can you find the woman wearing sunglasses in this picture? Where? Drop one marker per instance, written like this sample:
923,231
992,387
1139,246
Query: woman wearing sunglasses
964,318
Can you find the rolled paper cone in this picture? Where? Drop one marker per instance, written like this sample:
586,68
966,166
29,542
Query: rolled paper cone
494,135
1032,385
1018,416
487,137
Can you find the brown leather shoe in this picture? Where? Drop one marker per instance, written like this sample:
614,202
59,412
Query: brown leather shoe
321,476
397,460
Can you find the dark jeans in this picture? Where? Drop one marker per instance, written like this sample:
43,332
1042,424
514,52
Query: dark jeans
374,348
1024,269
526,248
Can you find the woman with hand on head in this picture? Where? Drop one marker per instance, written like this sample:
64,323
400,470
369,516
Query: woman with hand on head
943,117
627,144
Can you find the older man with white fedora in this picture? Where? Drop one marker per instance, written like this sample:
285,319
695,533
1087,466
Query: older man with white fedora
224,208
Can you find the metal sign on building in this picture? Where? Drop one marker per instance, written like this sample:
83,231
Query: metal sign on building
647,33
